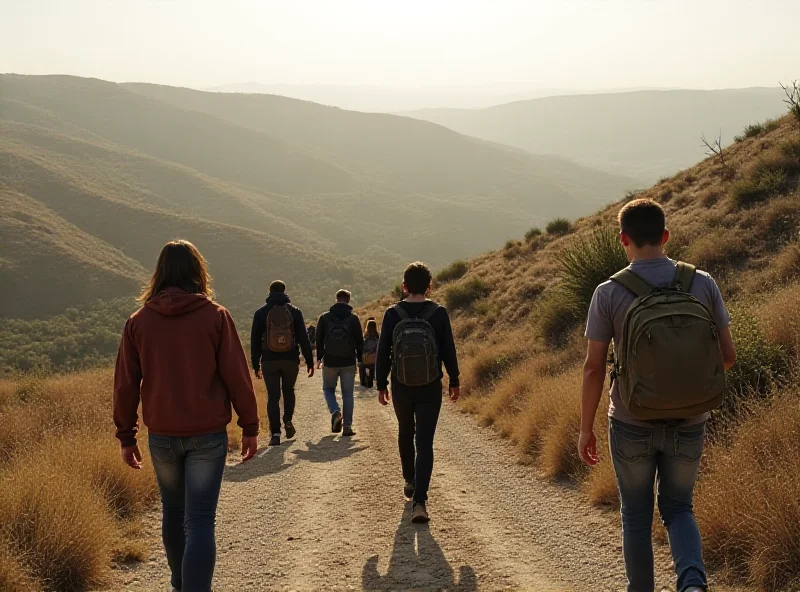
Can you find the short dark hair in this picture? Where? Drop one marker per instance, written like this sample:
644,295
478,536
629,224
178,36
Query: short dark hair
417,278
643,220
343,295
277,286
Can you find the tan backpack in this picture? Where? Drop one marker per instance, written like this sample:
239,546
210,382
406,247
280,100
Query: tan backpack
670,363
279,335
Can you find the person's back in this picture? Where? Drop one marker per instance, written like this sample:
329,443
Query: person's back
370,355
181,355
642,448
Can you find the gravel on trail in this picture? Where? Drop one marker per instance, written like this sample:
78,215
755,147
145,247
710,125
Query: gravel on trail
323,512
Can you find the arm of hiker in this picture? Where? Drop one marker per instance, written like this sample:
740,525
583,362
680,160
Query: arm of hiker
256,337
232,367
727,347
321,328
383,358
304,341
450,356
594,375
127,382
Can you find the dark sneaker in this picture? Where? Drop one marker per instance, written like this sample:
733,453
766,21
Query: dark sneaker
408,491
336,422
348,431
419,515
290,431
275,440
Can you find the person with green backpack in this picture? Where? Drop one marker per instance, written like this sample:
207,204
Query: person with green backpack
672,345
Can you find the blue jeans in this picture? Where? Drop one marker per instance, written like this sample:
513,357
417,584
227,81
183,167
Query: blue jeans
347,377
670,456
189,473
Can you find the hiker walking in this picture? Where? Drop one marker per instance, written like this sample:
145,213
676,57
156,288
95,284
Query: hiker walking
181,356
277,337
367,366
672,345
415,339
340,344
312,335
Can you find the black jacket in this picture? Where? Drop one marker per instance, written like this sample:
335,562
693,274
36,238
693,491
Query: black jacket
340,310
257,350
440,321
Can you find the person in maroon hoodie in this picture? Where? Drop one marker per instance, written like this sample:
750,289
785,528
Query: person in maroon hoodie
181,356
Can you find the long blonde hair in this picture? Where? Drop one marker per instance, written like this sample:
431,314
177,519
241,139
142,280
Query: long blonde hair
180,265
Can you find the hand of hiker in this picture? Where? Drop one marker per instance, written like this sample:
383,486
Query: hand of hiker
310,371
132,456
587,448
249,447
384,397
455,393
319,365
258,374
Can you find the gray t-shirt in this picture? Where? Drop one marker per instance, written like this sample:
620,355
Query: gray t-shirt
611,301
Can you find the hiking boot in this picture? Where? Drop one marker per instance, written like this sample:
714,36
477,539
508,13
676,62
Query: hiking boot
408,491
336,422
419,515
290,431
348,431
275,440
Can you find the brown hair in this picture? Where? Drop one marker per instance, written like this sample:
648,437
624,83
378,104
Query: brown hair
643,220
278,287
417,278
372,328
343,295
180,265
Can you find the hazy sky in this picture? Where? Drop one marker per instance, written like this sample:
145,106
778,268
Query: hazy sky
580,44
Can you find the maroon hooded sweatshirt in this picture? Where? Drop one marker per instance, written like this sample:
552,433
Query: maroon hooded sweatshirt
180,353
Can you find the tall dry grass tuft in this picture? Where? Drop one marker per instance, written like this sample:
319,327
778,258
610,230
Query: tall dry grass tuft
747,503
780,318
14,577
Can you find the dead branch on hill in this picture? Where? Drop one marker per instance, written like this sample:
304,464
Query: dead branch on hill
792,100
715,149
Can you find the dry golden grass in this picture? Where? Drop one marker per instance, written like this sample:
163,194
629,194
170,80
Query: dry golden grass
780,318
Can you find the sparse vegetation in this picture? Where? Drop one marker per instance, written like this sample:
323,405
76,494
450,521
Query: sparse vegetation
532,233
456,270
774,173
754,130
559,226
461,296
792,100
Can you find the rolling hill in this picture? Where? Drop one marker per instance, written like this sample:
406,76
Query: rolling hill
96,176
642,134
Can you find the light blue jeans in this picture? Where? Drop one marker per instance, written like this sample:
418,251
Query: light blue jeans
669,456
347,378
189,473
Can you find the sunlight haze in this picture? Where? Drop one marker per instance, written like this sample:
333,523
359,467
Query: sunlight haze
505,47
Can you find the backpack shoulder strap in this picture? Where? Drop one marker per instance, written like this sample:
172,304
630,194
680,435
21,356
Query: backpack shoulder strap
684,276
632,282
428,313
401,312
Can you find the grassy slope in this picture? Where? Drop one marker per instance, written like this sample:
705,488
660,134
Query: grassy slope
645,134
530,390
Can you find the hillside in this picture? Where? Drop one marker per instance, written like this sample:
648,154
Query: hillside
518,318
643,134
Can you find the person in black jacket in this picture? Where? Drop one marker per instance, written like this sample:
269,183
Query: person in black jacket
279,369
340,345
417,407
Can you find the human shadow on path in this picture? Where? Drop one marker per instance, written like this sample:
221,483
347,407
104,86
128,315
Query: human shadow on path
328,449
417,562
266,462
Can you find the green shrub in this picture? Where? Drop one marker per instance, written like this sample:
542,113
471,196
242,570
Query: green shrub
454,271
532,234
559,226
588,263
557,314
750,131
462,295
397,292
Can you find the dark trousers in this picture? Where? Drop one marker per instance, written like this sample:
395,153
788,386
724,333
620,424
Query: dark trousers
366,374
417,410
280,377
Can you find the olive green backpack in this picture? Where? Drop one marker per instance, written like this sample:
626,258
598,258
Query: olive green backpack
670,364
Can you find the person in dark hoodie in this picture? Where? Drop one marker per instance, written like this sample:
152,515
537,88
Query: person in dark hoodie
415,340
340,345
181,356
276,340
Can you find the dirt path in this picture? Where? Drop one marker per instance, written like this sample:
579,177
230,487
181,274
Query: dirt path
327,513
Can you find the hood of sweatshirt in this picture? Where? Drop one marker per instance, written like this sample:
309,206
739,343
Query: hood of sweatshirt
174,301
277,299
341,310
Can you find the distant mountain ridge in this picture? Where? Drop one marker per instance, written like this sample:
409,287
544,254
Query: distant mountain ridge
642,134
